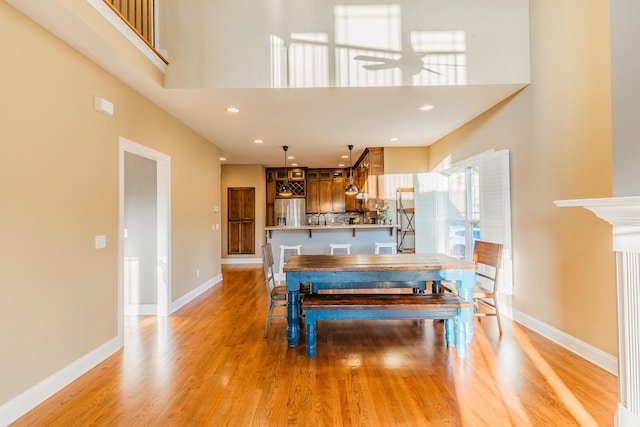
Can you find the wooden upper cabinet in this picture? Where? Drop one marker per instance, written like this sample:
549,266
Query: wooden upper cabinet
376,161
313,191
325,195
325,190
337,194
295,177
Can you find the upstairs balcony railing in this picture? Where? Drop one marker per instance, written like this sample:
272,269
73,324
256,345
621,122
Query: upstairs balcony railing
139,16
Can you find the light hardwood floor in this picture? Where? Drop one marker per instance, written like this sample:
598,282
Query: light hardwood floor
208,364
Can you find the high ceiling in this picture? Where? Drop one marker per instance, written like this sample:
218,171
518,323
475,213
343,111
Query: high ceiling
317,124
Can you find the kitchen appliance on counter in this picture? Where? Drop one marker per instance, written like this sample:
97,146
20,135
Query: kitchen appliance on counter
290,212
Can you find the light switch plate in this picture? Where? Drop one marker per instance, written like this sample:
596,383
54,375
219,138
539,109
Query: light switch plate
101,241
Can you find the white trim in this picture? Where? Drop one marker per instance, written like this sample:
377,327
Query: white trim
241,261
190,296
26,401
141,310
164,225
594,355
614,210
625,418
106,12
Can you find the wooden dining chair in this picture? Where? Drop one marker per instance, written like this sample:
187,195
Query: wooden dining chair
487,256
277,293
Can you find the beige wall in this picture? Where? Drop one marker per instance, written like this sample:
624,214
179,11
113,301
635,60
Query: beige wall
59,189
245,176
558,131
402,160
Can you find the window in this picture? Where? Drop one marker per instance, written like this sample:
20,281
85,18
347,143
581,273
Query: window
463,222
463,203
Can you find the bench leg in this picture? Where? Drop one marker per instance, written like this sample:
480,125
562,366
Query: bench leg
461,335
449,332
310,326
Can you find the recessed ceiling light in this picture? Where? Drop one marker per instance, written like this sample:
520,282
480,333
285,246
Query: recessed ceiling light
258,141
394,139
294,164
340,165
223,158
290,157
344,157
426,107
233,110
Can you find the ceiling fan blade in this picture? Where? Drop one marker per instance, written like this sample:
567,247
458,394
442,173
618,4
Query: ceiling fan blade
374,67
370,58
432,71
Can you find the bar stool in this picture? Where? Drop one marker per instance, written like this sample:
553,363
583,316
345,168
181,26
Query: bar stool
392,246
283,249
343,246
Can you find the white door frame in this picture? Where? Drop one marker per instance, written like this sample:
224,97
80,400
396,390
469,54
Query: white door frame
164,224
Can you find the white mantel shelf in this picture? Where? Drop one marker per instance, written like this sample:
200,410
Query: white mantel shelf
623,213
614,210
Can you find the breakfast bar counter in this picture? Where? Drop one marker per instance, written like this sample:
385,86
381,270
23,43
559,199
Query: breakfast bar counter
315,239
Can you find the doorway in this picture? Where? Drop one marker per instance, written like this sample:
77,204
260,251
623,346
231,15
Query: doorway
144,231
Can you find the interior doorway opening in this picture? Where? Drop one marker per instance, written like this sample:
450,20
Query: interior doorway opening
144,231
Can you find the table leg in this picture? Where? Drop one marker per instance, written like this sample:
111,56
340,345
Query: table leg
465,291
293,317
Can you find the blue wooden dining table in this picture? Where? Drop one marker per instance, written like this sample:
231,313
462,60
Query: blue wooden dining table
373,271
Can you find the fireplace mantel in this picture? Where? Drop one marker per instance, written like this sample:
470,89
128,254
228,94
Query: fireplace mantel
614,210
623,213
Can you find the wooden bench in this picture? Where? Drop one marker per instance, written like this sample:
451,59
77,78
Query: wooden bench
385,307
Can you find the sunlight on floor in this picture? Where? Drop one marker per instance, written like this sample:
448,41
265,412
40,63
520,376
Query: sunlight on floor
571,403
508,396
501,390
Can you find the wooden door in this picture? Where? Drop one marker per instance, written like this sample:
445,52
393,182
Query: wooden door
241,220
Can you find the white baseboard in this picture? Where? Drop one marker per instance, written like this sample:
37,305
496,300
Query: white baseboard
26,401
594,355
141,310
190,296
241,261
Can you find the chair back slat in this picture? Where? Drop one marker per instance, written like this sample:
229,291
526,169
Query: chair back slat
488,256
487,253
267,264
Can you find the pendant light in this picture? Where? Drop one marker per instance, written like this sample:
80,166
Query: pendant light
351,189
285,190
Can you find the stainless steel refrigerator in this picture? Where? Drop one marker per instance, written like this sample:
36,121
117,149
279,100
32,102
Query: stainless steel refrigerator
290,212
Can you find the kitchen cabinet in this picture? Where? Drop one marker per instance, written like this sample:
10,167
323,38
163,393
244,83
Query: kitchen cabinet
338,185
350,203
271,196
370,176
295,177
241,220
325,190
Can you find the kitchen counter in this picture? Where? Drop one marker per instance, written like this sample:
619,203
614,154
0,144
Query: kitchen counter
315,239
331,227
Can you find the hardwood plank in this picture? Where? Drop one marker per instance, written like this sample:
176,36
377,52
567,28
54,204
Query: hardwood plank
208,364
